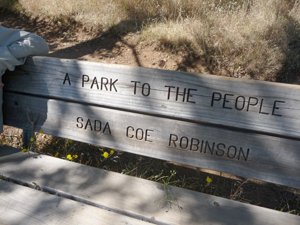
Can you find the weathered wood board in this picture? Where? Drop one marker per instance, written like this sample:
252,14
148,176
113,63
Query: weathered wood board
134,195
251,155
21,205
244,104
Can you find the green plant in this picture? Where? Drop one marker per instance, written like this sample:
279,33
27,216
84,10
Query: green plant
168,196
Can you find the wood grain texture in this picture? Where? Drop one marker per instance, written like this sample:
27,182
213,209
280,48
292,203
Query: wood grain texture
245,104
132,194
245,154
21,205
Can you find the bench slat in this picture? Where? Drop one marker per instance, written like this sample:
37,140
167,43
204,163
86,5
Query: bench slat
132,194
257,156
23,205
245,104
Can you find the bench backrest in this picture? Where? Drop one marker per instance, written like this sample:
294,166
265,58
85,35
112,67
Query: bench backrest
243,127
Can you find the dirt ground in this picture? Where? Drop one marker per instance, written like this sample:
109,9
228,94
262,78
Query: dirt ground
103,46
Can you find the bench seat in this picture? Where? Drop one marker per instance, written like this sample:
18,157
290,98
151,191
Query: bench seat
23,205
121,199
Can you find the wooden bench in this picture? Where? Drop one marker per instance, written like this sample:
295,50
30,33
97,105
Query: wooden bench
243,127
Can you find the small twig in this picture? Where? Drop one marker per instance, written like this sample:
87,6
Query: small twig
32,123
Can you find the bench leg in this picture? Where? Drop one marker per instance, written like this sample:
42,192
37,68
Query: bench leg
27,134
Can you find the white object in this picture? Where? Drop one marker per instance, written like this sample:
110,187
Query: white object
15,46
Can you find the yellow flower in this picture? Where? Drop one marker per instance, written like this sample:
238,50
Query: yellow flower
208,180
70,141
32,139
53,143
24,150
41,132
112,151
75,156
4,140
56,155
101,149
37,143
69,157
105,154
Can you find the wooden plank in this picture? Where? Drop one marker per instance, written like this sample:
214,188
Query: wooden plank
247,104
134,195
257,156
23,205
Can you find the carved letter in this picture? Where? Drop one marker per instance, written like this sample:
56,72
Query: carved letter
95,82
186,142
242,151
169,91
79,122
84,80
104,84
173,140
112,84
253,104
129,127
148,135
67,78
224,102
88,123
183,94
274,107
215,99
237,100
228,151
221,153
193,144
135,82
210,149
137,134
143,89
190,95
260,108
107,127
201,146
95,125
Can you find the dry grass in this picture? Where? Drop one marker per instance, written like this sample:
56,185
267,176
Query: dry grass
259,38
88,13
253,37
